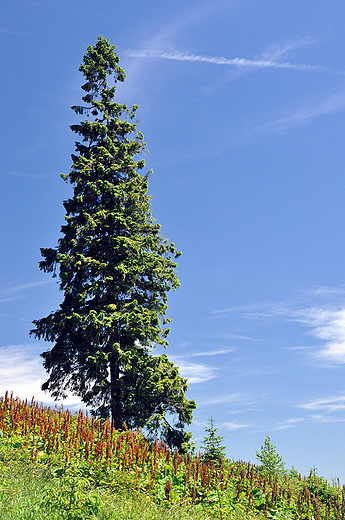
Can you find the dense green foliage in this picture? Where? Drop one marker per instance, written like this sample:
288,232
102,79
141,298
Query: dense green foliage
115,271
29,492
212,443
61,466
272,463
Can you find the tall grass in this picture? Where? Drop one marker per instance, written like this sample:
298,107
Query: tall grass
57,465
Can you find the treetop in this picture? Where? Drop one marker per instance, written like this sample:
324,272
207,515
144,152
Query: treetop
100,61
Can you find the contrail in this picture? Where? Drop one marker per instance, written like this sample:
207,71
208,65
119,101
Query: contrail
237,62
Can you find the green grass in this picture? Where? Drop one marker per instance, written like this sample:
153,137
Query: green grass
24,484
54,465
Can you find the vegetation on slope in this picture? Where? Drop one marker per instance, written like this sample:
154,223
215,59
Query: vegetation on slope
57,465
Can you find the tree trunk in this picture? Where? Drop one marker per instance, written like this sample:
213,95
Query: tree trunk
115,393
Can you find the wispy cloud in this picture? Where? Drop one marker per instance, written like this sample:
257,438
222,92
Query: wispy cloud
320,295
11,298
233,62
326,419
188,16
294,422
21,371
229,398
275,52
234,425
303,116
166,35
321,311
235,398
14,317
13,293
212,352
33,175
195,372
327,405
237,336
23,287
288,423
326,325
3,30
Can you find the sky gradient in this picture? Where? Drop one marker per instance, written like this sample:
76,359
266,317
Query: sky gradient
242,107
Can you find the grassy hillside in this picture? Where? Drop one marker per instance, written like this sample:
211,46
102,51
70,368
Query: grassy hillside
61,466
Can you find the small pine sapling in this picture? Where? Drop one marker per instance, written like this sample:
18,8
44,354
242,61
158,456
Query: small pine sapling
271,462
212,443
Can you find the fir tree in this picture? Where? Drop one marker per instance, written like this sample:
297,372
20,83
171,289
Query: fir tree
271,462
212,443
115,271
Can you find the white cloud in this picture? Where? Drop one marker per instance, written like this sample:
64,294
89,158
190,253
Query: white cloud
234,398
195,372
275,52
11,298
187,17
288,423
326,419
33,175
246,309
321,311
23,287
328,326
234,336
22,373
212,352
268,60
277,308
327,404
312,418
234,425
19,288
14,317
169,33
303,116
234,62
230,398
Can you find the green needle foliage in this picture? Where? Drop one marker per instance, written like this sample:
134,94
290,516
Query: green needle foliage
212,443
272,462
115,271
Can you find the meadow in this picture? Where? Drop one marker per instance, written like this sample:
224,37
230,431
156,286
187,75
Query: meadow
58,465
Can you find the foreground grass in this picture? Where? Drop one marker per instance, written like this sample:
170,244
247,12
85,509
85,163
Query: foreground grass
24,485
61,466
29,492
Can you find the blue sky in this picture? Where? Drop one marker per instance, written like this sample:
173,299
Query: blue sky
242,107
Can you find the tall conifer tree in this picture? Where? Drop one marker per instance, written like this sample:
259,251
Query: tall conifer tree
115,271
